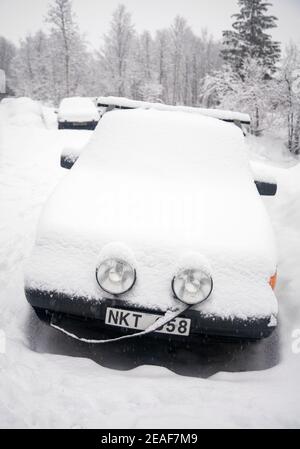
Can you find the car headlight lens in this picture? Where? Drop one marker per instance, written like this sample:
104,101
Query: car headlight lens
115,276
192,286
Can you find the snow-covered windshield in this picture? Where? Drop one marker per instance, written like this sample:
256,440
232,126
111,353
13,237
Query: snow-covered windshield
165,144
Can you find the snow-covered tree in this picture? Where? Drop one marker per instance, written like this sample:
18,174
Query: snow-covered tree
163,63
180,35
7,54
249,37
68,47
205,59
31,68
288,95
170,67
248,92
116,56
183,61
145,83
38,69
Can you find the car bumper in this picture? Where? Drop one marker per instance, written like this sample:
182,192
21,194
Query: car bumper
86,316
89,125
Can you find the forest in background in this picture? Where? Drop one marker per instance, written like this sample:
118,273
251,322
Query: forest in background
246,71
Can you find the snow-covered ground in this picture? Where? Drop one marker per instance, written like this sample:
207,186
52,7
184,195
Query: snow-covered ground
48,380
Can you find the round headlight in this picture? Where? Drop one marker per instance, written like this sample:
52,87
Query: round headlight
192,286
115,276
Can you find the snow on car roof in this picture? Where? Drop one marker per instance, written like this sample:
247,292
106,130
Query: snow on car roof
164,184
133,104
155,139
78,103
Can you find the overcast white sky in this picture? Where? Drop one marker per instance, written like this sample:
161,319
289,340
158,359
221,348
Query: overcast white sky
18,17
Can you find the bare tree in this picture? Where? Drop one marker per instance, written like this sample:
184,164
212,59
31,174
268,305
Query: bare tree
163,63
61,17
179,35
288,95
116,54
7,54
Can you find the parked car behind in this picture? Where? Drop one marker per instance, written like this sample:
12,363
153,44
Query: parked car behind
77,113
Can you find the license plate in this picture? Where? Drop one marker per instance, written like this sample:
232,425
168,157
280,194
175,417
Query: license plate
141,321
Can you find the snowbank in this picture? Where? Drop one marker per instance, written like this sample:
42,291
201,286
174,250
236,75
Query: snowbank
23,111
285,213
270,149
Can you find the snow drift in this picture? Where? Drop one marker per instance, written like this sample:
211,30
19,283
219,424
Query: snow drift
23,111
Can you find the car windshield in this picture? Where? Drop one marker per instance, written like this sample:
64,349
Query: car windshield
166,144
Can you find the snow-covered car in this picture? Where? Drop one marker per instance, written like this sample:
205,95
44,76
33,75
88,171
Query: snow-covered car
160,216
77,113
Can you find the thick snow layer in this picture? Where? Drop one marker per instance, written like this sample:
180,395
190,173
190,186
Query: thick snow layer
261,173
215,113
49,381
77,109
22,111
270,149
165,184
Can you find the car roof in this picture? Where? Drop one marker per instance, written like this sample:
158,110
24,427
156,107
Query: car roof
76,100
80,102
76,106
165,145
164,133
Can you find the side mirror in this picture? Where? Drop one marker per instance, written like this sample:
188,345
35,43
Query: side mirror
69,156
66,162
264,180
266,188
